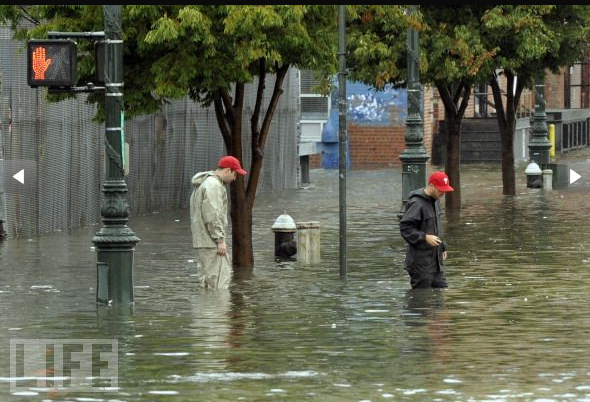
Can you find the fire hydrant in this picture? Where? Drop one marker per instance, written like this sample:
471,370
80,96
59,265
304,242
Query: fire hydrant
285,229
534,176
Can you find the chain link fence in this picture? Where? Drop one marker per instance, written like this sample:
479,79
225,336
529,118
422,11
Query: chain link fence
165,151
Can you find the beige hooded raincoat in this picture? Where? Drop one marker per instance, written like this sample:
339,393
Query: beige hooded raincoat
208,210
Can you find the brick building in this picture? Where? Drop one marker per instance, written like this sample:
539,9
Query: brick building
378,142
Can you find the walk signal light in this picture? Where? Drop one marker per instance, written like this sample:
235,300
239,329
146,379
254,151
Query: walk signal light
51,63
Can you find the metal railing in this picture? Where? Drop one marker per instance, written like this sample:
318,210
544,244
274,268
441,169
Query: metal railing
572,128
487,108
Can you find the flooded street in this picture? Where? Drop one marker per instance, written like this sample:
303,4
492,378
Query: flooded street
512,326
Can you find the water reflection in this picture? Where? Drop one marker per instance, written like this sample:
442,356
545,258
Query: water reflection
211,322
425,309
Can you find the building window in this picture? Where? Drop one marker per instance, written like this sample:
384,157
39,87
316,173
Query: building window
314,106
577,84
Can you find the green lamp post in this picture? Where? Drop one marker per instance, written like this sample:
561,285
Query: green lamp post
539,144
414,156
115,241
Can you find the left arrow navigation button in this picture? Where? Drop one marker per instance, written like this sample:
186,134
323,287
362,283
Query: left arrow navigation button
20,176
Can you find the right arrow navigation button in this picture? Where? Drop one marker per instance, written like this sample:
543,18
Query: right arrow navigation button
573,176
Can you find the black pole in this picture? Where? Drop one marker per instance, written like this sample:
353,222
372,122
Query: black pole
342,135
115,242
304,164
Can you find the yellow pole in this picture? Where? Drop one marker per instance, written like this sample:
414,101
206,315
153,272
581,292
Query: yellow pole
552,140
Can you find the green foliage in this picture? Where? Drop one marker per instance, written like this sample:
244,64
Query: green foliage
376,41
174,50
466,43
216,47
533,38
451,48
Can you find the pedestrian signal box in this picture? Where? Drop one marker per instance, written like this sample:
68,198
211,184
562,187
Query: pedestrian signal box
51,63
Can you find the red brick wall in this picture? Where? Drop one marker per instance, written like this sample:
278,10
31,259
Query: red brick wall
380,146
554,90
315,161
375,146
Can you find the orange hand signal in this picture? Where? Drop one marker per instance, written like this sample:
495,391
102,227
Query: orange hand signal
40,64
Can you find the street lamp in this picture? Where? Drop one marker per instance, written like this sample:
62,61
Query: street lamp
414,156
115,241
539,145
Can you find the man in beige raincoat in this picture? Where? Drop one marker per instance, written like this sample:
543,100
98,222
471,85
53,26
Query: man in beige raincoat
208,209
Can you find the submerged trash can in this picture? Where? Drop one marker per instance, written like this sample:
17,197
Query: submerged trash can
284,229
534,176
308,242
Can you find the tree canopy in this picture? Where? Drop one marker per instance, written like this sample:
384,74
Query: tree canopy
176,50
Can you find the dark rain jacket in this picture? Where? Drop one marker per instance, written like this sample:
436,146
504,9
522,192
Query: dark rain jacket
422,217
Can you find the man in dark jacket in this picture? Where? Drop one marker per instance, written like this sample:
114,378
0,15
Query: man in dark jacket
421,229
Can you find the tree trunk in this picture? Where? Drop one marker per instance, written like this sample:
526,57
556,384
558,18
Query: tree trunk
455,98
508,171
229,117
506,117
241,218
229,114
453,162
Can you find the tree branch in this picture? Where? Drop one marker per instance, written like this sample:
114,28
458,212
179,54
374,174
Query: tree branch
445,95
257,107
224,125
464,100
498,104
458,92
281,72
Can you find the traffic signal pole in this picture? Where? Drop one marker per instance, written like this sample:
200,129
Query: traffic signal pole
51,63
115,242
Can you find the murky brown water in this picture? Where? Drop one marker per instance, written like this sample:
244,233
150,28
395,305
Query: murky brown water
513,326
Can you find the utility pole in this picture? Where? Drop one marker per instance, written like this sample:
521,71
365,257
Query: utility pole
414,156
342,135
115,241
539,145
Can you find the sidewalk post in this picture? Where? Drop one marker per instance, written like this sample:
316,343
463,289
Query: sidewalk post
308,242
552,140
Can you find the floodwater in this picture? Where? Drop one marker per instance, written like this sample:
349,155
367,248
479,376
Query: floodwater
514,325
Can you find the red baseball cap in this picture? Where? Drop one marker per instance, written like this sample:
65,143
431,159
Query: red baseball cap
441,181
231,162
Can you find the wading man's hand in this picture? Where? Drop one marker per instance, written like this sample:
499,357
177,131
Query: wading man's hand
433,240
221,248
